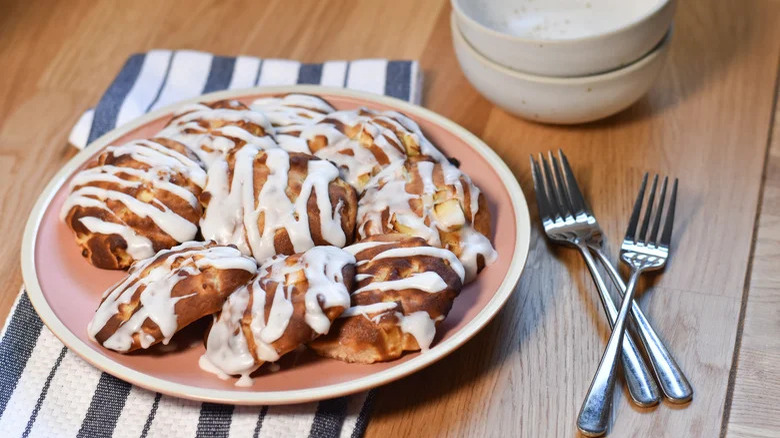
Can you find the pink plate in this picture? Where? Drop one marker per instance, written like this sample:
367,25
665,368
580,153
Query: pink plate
65,289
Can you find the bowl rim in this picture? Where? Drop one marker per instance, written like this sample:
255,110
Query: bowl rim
558,80
513,38
504,291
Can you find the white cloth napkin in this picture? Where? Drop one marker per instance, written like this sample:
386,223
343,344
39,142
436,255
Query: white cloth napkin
47,390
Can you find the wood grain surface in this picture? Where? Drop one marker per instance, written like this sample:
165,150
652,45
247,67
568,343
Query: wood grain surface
755,410
707,121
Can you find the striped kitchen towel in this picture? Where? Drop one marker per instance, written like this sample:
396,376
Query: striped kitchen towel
152,80
46,390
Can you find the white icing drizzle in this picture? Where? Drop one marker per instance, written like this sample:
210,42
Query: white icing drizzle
357,248
157,155
431,251
354,159
402,124
418,324
428,281
352,137
244,381
166,219
387,191
162,164
205,364
211,144
233,212
421,326
227,348
108,173
472,245
156,302
296,138
139,247
369,309
323,266
292,109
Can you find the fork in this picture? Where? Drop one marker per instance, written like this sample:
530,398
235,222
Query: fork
641,253
670,377
567,220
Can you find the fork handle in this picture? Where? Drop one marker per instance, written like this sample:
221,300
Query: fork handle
639,380
673,382
593,419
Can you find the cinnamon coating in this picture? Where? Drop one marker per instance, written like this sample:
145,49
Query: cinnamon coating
286,184
167,292
360,142
274,202
294,109
212,130
292,300
134,200
405,288
433,200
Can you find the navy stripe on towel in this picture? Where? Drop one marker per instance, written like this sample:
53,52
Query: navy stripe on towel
44,391
214,420
329,418
105,408
259,70
108,107
346,74
220,74
162,84
152,413
310,74
365,413
260,419
397,79
17,346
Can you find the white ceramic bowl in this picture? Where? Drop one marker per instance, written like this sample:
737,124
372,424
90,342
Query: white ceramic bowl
564,38
559,100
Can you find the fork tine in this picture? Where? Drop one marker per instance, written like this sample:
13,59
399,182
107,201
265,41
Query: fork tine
657,222
666,237
648,210
578,202
558,209
632,223
541,196
559,186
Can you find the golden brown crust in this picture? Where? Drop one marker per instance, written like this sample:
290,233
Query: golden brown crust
122,172
291,300
341,195
440,211
200,292
211,125
295,287
293,110
376,335
360,142
213,129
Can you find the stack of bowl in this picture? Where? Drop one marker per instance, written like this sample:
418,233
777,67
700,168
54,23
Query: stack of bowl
562,61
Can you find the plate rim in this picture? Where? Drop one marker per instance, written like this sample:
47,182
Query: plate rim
243,397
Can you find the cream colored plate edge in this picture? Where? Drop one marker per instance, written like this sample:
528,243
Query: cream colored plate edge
522,225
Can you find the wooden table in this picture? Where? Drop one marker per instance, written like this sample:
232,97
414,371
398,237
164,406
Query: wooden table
708,120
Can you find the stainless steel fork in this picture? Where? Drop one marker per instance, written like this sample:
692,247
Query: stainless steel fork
567,219
670,377
642,253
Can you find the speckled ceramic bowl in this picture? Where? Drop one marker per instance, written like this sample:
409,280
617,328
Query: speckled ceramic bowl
559,100
563,38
